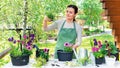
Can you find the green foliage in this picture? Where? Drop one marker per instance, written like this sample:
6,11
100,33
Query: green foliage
102,49
16,52
39,62
68,49
26,51
2,62
112,47
83,61
89,32
43,54
51,16
99,54
91,11
37,31
11,12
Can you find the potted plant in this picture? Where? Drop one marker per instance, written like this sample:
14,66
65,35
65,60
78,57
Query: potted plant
43,53
50,16
99,52
66,54
20,56
112,52
110,48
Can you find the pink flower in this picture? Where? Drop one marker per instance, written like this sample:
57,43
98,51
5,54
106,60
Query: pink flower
46,50
95,49
29,47
25,37
67,44
23,42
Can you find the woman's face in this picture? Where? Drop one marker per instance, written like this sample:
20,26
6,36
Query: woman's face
70,13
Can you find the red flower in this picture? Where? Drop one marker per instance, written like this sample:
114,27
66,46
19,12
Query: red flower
18,41
99,44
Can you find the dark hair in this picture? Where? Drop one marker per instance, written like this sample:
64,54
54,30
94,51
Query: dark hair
74,7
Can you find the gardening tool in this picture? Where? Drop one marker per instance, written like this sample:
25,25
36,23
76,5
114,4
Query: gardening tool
82,53
75,53
92,58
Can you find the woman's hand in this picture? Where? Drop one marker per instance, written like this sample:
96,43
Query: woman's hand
74,46
46,19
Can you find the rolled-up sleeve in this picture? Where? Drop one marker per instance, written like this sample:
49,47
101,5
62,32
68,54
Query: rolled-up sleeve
79,35
51,26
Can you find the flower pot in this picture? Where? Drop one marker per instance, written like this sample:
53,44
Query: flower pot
110,60
41,53
64,56
100,60
20,60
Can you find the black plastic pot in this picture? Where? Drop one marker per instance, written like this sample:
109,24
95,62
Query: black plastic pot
20,60
100,60
64,56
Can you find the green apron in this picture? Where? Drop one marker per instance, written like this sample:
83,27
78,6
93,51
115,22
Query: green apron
65,35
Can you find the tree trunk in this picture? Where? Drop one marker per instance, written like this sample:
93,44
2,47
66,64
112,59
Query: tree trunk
24,18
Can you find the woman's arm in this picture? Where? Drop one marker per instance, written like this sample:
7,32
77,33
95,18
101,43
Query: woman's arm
45,20
79,36
47,27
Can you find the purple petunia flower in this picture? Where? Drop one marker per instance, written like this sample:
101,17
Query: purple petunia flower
10,39
67,44
14,41
32,38
94,39
32,35
106,41
95,42
29,42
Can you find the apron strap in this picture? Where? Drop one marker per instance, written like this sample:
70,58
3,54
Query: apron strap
64,23
62,26
74,26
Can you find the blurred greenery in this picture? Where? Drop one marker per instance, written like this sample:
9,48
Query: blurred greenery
86,41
